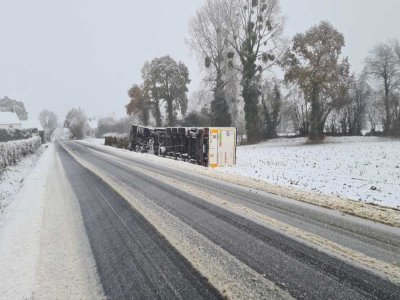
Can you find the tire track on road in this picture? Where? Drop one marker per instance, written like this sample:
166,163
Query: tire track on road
133,260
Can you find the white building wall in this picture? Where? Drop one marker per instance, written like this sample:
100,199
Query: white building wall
11,126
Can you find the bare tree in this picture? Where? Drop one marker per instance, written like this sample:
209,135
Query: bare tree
270,110
150,75
297,109
360,94
48,120
255,28
209,38
314,64
350,119
77,123
383,64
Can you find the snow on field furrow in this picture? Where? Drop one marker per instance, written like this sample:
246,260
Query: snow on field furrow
359,168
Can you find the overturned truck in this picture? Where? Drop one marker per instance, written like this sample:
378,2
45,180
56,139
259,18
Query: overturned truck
205,146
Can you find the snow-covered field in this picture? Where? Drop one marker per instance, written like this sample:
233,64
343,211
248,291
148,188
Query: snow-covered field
359,168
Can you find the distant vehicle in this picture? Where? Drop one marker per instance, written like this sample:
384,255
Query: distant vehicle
205,146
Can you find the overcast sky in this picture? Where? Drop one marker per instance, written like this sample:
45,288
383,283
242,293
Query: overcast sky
63,54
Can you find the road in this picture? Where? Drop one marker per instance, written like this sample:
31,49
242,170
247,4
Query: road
156,231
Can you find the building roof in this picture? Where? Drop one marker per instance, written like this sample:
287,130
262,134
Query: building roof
30,125
93,124
9,118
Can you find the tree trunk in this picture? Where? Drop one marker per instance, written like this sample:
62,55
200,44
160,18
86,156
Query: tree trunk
220,116
387,110
250,96
170,113
157,113
316,124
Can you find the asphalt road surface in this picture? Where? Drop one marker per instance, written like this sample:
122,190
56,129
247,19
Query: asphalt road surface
134,260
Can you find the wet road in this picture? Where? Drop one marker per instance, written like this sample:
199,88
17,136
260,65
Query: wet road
135,261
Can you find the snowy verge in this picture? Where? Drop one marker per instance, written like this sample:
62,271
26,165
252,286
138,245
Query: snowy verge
20,234
382,214
13,176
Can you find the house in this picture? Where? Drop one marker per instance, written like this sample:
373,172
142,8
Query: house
31,125
9,120
92,127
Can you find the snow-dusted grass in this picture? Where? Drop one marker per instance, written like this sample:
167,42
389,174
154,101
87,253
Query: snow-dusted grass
358,168
44,251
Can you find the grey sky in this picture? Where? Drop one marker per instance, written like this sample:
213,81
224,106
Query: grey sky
63,54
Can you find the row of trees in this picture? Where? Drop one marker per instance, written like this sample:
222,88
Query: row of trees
346,103
47,119
78,125
112,125
239,41
239,44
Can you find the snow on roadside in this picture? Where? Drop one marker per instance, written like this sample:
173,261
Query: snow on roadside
12,178
359,168
364,169
377,213
96,141
20,234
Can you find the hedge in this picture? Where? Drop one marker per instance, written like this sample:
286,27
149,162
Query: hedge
118,141
12,152
7,135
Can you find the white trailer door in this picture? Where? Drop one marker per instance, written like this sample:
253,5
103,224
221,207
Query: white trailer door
222,147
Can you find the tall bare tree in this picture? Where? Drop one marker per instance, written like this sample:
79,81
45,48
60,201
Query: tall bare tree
150,75
383,64
314,63
255,28
209,38
360,94
48,120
